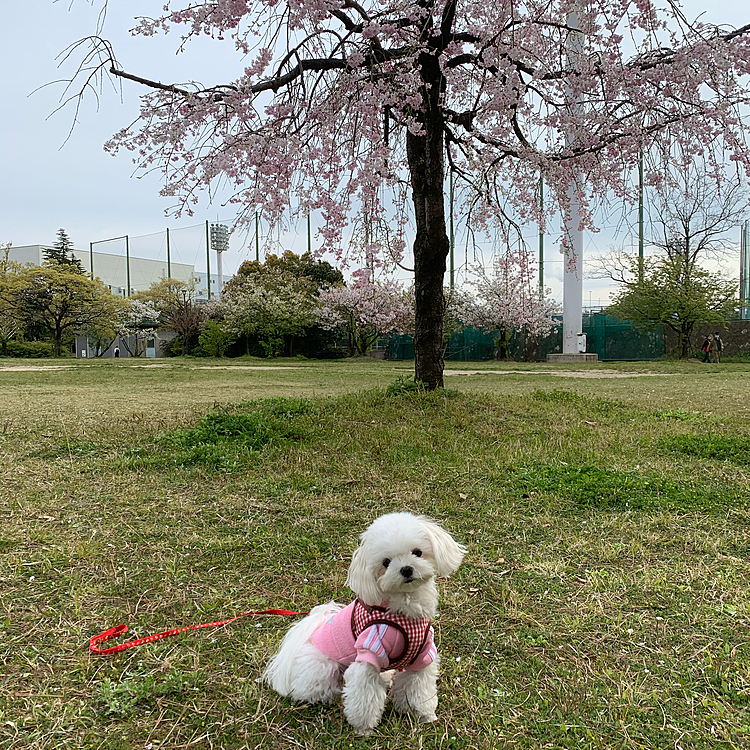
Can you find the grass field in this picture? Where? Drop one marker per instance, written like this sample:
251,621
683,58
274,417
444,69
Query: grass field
604,602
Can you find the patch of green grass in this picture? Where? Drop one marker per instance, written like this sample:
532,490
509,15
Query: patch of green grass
405,385
227,440
558,396
680,415
133,694
591,486
711,447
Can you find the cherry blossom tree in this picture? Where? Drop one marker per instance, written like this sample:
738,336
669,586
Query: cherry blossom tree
367,310
509,299
338,103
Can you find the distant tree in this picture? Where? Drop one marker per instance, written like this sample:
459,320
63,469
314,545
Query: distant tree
367,310
61,300
264,289
137,321
174,301
692,207
510,300
214,339
185,319
303,271
166,294
62,252
668,292
692,214
9,323
259,304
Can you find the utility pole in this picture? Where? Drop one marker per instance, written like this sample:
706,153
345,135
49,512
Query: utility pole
640,217
309,233
91,256
541,235
452,239
169,258
127,260
257,236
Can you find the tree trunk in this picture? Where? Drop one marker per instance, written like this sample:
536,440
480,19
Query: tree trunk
503,344
431,245
532,344
685,330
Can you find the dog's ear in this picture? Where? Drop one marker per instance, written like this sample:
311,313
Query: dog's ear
361,579
448,553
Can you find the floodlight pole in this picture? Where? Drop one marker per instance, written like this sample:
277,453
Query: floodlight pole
219,271
573,247
91,256
208,263
541,236
127,261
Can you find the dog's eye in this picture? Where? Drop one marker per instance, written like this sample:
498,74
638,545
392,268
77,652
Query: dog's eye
417,552
386,562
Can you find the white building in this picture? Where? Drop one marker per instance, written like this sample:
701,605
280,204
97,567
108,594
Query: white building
118,272
123,276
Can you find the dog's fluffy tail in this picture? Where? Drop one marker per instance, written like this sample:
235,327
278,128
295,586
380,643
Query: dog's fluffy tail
280,669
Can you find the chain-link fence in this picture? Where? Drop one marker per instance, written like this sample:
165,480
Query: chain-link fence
610,338
129,264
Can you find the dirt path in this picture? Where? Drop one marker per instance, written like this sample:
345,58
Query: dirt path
561,373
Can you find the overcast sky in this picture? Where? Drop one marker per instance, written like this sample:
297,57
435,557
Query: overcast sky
48,183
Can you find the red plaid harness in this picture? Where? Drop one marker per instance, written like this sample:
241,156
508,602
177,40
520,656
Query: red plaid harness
415,632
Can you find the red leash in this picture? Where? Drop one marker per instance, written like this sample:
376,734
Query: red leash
122,629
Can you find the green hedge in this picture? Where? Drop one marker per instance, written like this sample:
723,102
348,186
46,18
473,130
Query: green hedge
36,349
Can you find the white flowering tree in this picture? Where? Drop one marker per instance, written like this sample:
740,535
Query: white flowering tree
137,322
509,299
335,103
367,310
252,306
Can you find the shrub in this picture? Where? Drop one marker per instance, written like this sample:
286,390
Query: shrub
214,340
35,349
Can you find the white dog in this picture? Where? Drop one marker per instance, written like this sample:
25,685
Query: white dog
338,649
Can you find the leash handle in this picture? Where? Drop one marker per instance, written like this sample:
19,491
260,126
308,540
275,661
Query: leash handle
122,629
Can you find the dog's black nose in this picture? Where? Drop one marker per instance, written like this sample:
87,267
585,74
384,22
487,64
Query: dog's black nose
407,571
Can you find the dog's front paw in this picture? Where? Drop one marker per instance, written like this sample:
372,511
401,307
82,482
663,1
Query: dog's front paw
364,697
416,693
